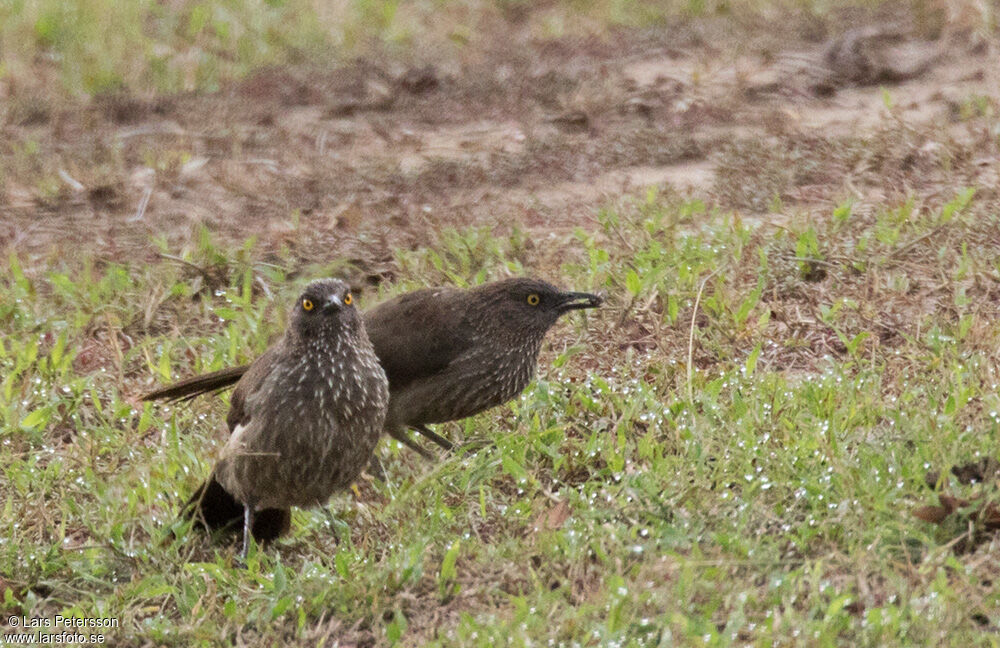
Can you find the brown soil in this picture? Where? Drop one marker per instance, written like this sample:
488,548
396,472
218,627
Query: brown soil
376,155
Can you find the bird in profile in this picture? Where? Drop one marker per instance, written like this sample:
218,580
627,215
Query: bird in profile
304,419
448,353
452,353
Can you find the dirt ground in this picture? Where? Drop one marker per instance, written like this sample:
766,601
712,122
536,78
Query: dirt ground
366,158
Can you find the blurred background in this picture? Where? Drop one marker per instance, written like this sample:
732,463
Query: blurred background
125,118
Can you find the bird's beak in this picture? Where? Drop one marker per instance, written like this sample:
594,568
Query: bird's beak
579,300
333,303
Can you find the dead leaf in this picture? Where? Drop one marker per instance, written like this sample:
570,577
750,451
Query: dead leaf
552,518
932,514
991,517
952,503
977,472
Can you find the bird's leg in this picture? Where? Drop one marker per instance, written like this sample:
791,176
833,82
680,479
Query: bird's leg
400,435
434,436
247,534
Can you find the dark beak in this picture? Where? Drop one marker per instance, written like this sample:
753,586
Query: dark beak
333,304
579,300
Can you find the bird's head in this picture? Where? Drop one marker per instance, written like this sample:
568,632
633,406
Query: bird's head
529,307
326,308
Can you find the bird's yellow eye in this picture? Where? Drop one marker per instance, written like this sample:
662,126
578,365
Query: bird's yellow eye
533,299
307,304
348,299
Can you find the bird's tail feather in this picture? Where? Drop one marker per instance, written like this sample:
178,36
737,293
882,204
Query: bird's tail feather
198,385
215,509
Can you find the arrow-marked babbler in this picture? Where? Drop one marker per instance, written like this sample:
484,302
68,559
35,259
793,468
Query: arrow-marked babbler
304,419
448,353
469,350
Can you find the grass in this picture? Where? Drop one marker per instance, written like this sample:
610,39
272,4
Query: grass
102,46
745,480
734,450
98,47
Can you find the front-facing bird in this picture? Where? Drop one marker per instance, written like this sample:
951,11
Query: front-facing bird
304,422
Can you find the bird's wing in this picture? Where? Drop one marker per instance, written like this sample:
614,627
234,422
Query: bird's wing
419,334
250,382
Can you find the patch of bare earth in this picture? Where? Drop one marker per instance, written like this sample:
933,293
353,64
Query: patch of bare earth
373,156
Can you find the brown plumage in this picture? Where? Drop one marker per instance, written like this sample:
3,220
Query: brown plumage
451,353
304,419
447,353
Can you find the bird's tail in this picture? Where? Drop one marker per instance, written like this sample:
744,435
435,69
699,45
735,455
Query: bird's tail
198,385
215,509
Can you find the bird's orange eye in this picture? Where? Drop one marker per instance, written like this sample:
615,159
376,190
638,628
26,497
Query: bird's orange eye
533,299
307,304
348,299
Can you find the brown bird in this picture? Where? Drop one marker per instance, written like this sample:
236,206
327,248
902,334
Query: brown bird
448,354
304,419
453,353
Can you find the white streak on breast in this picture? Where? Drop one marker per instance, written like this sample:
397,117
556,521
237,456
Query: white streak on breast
236,438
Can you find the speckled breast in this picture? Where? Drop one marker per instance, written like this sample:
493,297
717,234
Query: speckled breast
311,434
